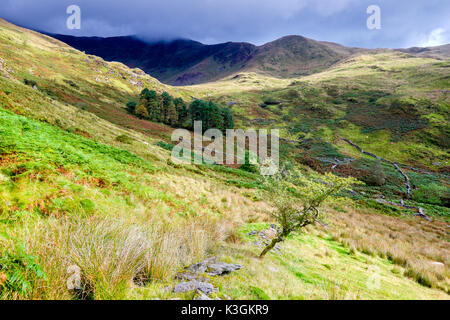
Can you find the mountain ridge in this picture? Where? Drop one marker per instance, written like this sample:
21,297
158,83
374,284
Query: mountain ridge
188,62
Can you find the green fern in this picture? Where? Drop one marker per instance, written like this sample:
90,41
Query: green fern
21,270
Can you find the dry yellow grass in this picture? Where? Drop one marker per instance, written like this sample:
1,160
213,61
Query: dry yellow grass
420,247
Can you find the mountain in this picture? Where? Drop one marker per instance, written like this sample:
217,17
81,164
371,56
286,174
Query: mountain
187,62
438,52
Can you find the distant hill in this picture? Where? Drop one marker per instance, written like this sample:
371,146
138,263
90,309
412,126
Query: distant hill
438,52
187,62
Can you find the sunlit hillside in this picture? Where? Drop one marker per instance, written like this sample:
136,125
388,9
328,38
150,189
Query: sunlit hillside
87,187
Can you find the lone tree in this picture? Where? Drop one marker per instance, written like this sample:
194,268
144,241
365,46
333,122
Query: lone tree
298,199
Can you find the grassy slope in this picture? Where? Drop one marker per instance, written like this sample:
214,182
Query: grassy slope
64,177
389,103
355,99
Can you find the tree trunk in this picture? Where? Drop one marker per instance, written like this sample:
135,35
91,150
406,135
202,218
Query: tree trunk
270,246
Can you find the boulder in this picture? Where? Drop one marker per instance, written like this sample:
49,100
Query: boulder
198,267
204,287
221,268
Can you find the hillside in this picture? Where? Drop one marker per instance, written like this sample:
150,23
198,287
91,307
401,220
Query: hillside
74,193
379,99
438,52
392,105
186,62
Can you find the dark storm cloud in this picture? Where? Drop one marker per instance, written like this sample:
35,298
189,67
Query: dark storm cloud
404,23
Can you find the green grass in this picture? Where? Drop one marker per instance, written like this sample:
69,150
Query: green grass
312,266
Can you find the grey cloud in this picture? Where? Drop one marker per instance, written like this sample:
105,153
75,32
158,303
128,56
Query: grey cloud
404,23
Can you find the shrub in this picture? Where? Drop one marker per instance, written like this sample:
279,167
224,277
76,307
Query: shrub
30,83
298,199
167,146
432,193
131,107
71,83
123,138
376,175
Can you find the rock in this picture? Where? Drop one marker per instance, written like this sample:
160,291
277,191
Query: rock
188,276
198,267
204,287
221,268
263,236
202,296
253,233
195,273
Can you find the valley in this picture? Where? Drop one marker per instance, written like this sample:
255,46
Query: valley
86,183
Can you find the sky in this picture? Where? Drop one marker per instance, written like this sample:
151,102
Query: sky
403,23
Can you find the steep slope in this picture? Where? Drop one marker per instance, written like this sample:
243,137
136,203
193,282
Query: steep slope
186,62
179,62
393,105
387,96
63,75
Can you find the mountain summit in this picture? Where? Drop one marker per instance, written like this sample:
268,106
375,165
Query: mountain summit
187,62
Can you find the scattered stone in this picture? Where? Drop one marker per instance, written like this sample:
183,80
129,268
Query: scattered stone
219,269
198,267
204,287
202,296
194,277
186,276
